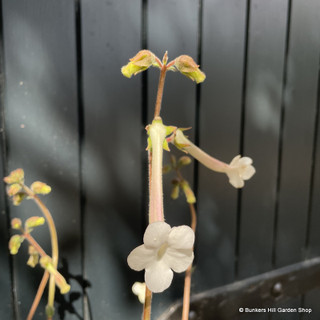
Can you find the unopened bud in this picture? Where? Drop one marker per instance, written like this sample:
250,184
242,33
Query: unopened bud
15,176
16,223
140,62
60,281
33,222
175,189
40,187
184,161
188,192
17,198
189,68
33,257
166,169
13,189
15,243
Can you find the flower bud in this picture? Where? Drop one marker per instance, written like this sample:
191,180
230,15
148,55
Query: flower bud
15,176
60,281
184,161
13,189
175,189
140,62
40,188
189,68
15,243
33,222
188,192
17,198
166,169
16,223
33,257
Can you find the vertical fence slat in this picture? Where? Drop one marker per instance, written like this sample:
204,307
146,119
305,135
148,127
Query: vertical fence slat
262,122
222,60
7,305
173,26
111,155
311,299
298,131
41,118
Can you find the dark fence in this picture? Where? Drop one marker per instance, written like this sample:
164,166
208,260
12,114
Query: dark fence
69,118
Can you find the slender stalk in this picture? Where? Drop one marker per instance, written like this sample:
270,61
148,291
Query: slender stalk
147,305
157,133
54,242
35,244
187,279
160,91
39,294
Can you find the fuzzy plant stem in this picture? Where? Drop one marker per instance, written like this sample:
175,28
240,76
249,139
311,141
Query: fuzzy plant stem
160,91
54,243
155,175
187,279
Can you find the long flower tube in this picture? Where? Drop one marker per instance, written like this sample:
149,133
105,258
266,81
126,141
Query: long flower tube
239,169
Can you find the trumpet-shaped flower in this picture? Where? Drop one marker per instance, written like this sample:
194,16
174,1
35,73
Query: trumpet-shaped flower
164,249
238,170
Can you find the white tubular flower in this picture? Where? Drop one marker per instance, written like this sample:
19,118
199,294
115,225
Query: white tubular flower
240,169
164,249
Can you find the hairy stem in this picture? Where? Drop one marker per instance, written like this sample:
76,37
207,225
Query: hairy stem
187,279
160,91
54,242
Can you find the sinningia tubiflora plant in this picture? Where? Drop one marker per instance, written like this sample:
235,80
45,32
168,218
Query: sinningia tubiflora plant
18,191
166,249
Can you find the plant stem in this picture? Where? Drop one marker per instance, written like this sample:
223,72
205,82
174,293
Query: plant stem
160,91
35,244
38,296
54,242
147,305
187,279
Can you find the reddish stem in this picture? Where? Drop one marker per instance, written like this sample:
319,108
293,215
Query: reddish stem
38,296
147,305
187,279
160,91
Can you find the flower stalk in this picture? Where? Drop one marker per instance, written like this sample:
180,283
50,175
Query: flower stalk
187,278
54,244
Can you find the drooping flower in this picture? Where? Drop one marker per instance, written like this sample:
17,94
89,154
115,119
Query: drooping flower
189,68
140,62
238,170
164,249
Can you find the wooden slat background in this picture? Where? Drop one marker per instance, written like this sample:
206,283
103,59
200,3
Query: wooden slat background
69,118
